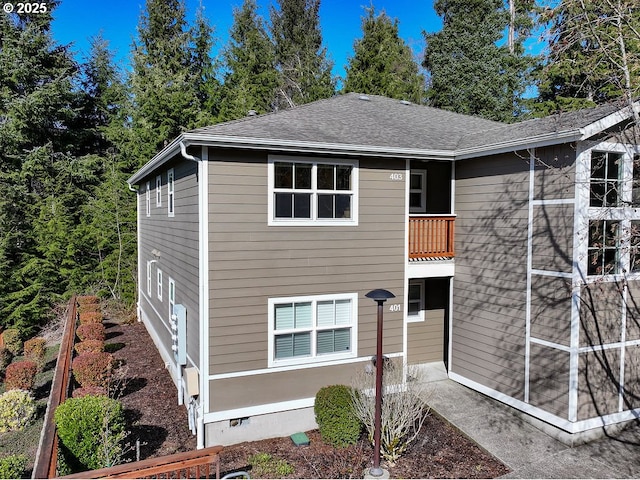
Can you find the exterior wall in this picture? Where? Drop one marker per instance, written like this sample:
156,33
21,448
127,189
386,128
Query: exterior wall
176,240
425,340
489,288
251,262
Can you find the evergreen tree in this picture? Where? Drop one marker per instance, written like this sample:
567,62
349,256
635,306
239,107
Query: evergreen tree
382,63
469,72
251,80
166,97
203,71
41,183
594,55
301,60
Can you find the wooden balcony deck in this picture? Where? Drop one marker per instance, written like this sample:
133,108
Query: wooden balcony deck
431,237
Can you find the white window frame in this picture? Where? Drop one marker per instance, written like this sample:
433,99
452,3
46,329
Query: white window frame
422,191
314,357
171,198
147,195
149,278
420,316
159,284
314,221
172,295
159,191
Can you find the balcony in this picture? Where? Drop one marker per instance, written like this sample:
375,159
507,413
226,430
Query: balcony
431,237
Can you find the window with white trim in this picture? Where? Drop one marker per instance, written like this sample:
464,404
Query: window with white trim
149,278
172,295
170,192
159,280
418,191
159,191
312,329
147,194
604,247
606,179
310,192
415,301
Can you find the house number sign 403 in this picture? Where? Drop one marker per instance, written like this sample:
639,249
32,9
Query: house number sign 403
394,308
395,176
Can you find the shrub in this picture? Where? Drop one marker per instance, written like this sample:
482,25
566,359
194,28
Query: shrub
93,369
35,349
5,359
92,428
87,299
84,391
91,331
89,346
21,375
13,466
17,408
12,341
88,307
335,416
90,317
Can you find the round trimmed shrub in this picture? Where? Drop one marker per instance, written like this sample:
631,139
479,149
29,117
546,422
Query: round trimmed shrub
35,349
12,341
87,299
88,307
335,417
89,346
90,317
13,466
91,331
92,428
21,375
84,391
93,369
17,408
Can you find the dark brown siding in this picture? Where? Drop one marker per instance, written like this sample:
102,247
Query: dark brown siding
489,288
251,262
176,238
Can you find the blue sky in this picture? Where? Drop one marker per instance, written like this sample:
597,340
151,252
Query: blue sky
76,21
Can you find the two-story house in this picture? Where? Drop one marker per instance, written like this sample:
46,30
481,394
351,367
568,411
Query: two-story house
262,236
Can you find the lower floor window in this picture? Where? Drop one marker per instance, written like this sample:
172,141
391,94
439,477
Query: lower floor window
604,247
304,329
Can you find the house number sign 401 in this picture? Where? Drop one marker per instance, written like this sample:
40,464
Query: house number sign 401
396,177
394,308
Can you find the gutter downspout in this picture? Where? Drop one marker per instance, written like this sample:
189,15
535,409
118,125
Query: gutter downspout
199,414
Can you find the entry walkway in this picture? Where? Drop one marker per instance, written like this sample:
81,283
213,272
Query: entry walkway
526,450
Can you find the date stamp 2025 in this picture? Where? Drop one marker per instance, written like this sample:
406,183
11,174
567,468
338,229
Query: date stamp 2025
21,8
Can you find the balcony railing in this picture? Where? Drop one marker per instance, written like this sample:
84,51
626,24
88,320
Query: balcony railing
431,236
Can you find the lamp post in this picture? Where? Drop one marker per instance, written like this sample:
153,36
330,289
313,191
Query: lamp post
379,296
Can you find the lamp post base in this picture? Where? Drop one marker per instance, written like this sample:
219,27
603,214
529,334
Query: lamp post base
371,473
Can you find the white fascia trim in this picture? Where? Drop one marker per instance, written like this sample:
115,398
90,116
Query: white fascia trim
607,122
520,144
570,427
259,410
265,371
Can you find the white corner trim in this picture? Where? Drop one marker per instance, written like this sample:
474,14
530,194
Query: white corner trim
203,274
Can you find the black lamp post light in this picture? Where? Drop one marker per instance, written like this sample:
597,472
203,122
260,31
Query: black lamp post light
379,296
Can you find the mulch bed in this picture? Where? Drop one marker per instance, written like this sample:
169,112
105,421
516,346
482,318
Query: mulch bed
150,399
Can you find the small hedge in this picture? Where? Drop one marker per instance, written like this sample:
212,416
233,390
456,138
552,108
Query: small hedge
91,331
84,391
88,307
17,408
35,350
21,375
87,299
90,317
13,466
336,420
93,369
89,346
92,428
12,341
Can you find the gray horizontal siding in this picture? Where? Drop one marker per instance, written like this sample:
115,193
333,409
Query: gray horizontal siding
554,172
176,238
251,262
598,383
600,314
552,241
489,288
551,309
549,380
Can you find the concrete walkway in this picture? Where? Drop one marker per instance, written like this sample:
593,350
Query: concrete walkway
527,451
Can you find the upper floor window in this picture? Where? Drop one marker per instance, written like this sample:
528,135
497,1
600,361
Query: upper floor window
312,329
418,191
312,192
606,179
170,192
158,191
147,195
